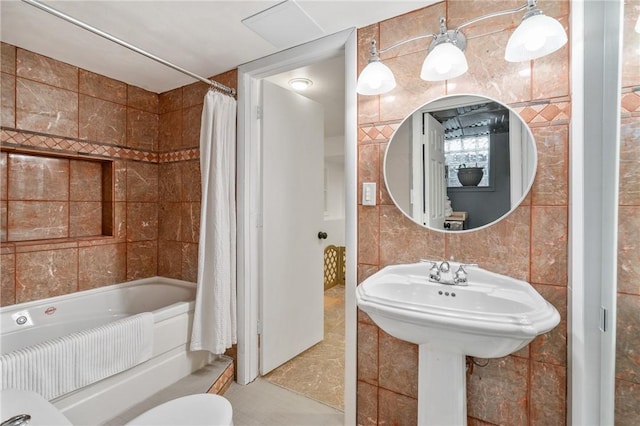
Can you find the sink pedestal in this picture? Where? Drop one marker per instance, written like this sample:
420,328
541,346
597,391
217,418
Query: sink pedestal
442,387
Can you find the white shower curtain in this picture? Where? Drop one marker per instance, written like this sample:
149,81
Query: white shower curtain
214,323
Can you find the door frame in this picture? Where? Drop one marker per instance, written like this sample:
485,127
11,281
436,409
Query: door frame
249,199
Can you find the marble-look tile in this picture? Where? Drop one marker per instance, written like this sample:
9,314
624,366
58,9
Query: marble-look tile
630,42
364,318
38,178
142,221
630,161
102,121
7,100
85,219
627,403
497,393
471,421
170,221
419,22
142,260
368,235
385,198
46,70
490,75
142,130
170,131
102,87
404,241
120,221
120,180
551,347
549,241
460,11
398,365
368,168
365,271
367,403
548,394
411,91
550,73
85,180
170,101
46,109
193,95
169,182
191,180
4,211
368,353
142,99
191,118
37,220
551,185
396,409
628,338
502,248
190,262
368,106
3,175
170,259
8,58
629,249
43,274
7,279
142,181
102,265
190,222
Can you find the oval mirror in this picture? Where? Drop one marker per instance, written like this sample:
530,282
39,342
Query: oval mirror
460,163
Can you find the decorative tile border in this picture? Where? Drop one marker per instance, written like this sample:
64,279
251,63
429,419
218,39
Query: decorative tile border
533,113
223,382
631,102
21,139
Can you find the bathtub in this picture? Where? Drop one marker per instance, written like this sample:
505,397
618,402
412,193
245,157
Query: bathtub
172,304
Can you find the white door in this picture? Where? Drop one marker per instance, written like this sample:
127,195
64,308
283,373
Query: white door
292,293
435,186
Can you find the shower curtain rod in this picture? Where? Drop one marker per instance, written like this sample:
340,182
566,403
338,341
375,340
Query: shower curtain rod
129,46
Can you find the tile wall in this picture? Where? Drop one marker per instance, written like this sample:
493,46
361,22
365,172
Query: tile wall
528,387
152,141
628,324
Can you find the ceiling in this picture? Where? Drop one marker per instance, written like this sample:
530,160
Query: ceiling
204,37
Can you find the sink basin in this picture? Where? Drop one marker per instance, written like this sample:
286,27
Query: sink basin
491,316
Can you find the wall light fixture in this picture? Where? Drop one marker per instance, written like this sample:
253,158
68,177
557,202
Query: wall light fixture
536,36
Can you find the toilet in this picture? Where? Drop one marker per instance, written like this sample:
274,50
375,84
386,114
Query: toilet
192,410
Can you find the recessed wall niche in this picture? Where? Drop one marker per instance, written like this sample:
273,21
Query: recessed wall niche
49,197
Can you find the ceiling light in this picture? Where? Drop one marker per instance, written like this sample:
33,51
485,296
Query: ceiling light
536,36
300,84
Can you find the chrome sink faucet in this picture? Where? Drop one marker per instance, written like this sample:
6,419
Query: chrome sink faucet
441,273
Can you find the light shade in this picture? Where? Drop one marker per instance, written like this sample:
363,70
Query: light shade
375,79
445,61
536,36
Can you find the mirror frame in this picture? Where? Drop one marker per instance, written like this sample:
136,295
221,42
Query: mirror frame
426,107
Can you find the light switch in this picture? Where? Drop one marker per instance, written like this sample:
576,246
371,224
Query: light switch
369,194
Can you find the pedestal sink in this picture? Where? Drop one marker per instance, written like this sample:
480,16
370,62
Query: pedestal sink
490,316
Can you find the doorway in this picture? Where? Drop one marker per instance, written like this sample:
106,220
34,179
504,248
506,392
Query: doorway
250,202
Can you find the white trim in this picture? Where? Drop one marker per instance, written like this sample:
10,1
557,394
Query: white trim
594,159
249,76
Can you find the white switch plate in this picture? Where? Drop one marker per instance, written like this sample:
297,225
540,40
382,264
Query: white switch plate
369,194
